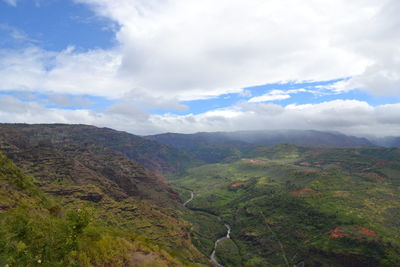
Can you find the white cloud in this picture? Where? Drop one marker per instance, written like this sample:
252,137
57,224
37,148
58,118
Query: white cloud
201,49
11,2
183,50
170,51
16,34
378,40
347,116
270,96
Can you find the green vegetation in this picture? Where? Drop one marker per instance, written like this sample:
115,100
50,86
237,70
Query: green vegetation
79,196
228,253
36,230
289,204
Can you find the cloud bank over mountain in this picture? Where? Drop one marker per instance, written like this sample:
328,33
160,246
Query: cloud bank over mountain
167,52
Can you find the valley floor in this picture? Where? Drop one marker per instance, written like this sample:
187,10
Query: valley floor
298,206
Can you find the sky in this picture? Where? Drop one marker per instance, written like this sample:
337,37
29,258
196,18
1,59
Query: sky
154,66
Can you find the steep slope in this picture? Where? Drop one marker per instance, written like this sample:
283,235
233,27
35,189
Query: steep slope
120,192
80,163
152,155
36,231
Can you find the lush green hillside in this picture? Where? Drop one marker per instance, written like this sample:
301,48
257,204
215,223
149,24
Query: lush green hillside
291,205
117,191
37,230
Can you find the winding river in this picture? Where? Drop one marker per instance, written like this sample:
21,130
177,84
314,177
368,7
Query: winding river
190,199
227,236
212,257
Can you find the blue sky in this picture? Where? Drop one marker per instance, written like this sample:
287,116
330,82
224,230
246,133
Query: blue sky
54,25
151,66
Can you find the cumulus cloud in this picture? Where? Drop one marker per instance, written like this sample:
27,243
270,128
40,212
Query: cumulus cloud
378,40
184,50
179,50
347,116
202,49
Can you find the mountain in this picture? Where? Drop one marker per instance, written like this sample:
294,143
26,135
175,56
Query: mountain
76,167
219,146
269,138
78,195
78,155
390,141
38,230
150,154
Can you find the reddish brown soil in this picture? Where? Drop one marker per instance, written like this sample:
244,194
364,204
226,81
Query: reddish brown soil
337,232
367,231
303,191
239,184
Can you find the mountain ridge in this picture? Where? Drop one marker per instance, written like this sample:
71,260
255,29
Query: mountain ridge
266,137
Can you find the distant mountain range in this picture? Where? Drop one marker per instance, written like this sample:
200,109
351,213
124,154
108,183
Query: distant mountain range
390,141
268,138
212,147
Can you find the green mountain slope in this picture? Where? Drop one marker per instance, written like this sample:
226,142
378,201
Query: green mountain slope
35,230
150,154
290,205
119,192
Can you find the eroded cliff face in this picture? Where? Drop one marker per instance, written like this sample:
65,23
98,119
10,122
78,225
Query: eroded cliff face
82,172
152,155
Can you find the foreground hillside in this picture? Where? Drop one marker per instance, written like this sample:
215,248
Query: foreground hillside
117,193
290,205
36,231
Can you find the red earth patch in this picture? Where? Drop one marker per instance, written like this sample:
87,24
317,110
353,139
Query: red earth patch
303,191
367,231
239,184
337,232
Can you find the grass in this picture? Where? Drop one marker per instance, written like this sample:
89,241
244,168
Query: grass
38,230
